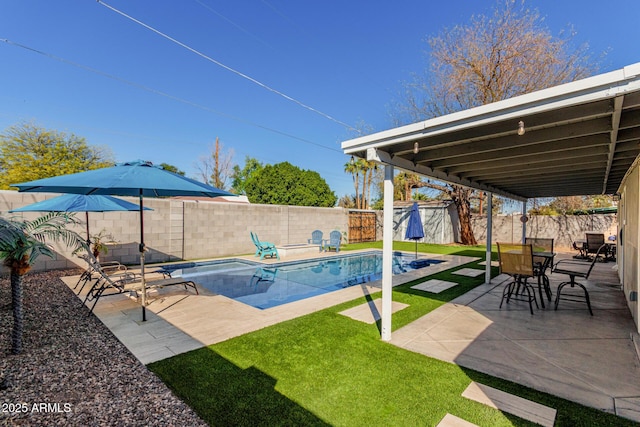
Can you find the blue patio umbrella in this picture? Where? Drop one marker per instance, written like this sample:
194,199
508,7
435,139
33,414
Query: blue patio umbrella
415,231
81,203
138,178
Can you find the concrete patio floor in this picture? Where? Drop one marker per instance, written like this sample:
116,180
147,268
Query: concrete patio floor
592,360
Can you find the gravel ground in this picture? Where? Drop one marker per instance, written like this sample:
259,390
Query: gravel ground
72,370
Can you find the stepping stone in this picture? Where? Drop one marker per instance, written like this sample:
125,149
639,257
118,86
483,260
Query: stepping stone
506,402
453,421
370,312
469,272
434,286
628,407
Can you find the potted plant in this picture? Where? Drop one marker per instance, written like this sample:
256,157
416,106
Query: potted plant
100,242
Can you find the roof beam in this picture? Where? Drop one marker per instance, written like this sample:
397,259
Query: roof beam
529,156
509,142
379,156
615,124
528,168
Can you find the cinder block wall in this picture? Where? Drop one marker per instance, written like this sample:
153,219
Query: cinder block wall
565,229
181,229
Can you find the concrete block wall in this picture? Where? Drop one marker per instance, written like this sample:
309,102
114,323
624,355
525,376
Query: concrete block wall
565,229
184,229
181,229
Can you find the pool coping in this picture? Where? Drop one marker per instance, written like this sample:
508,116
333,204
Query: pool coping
180,321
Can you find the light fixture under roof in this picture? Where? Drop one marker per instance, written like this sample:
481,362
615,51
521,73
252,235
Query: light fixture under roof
416,148
520,128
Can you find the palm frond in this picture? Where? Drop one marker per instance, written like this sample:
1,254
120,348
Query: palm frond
20,238
51,222
38,250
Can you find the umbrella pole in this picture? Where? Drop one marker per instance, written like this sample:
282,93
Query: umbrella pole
144,285
87,218
416,249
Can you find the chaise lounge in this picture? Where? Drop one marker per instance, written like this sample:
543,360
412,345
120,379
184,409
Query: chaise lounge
264,248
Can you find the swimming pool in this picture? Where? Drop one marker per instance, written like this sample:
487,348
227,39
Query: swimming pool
265,286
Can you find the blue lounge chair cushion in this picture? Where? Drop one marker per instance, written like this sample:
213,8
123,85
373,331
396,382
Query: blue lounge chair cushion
419,263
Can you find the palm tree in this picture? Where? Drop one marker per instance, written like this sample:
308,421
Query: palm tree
354,167
369,169
21,243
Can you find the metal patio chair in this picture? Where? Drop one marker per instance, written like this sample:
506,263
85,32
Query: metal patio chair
573,269
594,243
516,260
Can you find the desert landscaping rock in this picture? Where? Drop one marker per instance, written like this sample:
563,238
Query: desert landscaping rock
72,370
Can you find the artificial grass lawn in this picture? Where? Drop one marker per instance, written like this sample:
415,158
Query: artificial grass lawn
328,369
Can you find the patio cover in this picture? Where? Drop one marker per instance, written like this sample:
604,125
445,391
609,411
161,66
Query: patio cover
580,138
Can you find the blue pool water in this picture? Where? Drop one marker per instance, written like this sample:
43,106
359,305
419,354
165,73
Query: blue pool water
264,286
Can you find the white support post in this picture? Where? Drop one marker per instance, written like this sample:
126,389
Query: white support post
387,253
523,221
487,269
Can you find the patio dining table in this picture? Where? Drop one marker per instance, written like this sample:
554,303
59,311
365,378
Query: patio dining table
543,279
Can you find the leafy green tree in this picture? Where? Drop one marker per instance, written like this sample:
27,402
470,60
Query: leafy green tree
29,152
21,243
241,176
171,168
286,184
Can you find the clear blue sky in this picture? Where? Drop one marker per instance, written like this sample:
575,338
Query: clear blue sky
346,59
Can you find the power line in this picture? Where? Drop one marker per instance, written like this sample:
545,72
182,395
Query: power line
226,67
212,10
166,95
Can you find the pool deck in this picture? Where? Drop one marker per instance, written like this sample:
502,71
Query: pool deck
179,321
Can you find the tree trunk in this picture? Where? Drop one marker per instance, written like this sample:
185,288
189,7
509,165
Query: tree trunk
463,206
357,175
16,300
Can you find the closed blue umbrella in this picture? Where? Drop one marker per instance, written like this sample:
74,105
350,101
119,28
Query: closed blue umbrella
137,178
415,231
80,203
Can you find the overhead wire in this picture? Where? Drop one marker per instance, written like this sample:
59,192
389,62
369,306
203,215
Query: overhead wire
226,67
164,94
229,21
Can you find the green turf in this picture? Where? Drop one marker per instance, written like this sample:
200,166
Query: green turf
328,369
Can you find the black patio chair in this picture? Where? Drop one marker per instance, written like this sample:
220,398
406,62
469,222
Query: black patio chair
110,285
594,243
575,269
93,265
